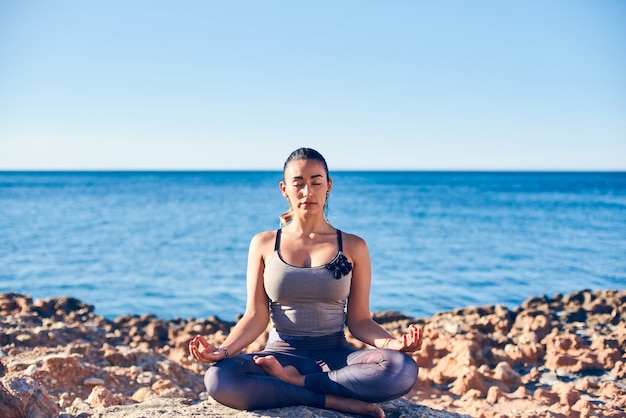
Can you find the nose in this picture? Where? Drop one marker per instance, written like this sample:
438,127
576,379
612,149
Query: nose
306,190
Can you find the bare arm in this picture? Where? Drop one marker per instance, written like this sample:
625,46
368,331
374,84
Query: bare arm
360,322
256,316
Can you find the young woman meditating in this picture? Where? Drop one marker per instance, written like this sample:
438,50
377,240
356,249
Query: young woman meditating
310,280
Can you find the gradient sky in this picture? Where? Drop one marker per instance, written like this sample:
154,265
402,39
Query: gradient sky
423,85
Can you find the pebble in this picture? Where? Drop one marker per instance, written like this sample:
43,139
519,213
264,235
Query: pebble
93,381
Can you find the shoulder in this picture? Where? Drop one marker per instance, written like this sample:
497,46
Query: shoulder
355,248
353,244
264,237
263,241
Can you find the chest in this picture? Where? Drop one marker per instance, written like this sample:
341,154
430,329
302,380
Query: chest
306,253
292,285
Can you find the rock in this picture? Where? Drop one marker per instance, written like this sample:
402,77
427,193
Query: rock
504,373
93,381
143,394
386,317
470,379
13,304
619,371
569,397
22,397
101,397
546,397
182,408
493,394
482,361
584,407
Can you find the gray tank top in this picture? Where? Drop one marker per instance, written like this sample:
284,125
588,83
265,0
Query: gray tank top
307,301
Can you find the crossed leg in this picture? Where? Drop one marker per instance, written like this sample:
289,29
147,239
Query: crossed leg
290,374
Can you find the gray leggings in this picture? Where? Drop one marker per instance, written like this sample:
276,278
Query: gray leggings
330,365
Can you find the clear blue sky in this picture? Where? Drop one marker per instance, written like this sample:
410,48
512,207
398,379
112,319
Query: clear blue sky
371,84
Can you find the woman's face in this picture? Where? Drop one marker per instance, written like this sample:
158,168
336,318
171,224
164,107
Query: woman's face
305,186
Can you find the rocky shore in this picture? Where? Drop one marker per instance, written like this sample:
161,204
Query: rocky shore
557,356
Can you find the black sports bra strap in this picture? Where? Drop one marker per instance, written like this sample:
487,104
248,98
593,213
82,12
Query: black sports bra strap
277,242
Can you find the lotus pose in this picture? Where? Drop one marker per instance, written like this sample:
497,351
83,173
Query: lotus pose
310,280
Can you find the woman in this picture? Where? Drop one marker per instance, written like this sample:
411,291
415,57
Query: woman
309,279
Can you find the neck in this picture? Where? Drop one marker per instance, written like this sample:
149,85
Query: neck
306,226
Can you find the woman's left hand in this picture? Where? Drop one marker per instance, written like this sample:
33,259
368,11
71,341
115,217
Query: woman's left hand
410,341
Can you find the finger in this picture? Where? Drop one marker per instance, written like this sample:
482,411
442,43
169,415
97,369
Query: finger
206,357
201,342
411,344
193,348
197,349
412,330
193,344
417,337
210,356
412,338
417,342
194,354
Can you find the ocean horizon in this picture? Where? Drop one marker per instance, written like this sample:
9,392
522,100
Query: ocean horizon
174,242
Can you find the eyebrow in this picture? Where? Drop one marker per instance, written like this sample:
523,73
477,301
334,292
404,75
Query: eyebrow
302,178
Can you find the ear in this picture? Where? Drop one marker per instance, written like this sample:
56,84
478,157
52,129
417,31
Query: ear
282,188
330,185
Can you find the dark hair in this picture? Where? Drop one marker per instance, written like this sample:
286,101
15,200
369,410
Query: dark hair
297,155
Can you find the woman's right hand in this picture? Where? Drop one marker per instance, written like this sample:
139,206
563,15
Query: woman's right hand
205,352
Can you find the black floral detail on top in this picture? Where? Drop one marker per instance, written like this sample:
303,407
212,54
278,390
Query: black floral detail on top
340,266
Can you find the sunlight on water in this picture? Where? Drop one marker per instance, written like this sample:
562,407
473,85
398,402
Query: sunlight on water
175,244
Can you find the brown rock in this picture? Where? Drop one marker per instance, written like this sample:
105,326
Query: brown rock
537,322
471,394
13,304
493,394
23,397
445,370
619,370
156,331
167,389
609,390
545,396
470,379
578,298
568,395
101,397
60,343
142,394
521,392
182,408
93,381
583,406
608,358
504,373
619,401
585,385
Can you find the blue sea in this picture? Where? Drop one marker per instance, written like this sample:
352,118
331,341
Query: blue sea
174,244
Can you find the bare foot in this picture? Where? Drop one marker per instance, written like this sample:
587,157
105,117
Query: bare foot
354,406
272,367
291,375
